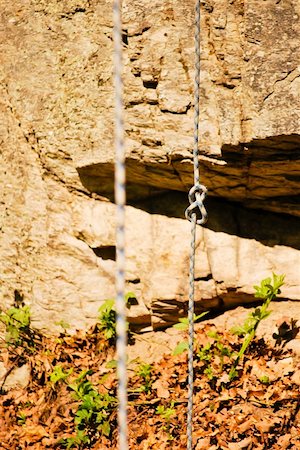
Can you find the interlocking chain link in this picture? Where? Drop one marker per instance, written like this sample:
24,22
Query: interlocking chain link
120,199
196,214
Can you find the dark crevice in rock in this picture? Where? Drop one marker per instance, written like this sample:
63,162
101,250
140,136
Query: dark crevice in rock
140,32
151,142
105,252
132,103
151,84
292,177
152,102
109,36
286,75
227,85
206,278
125,37
167,312
69,14
188,107
135,281
224,215
261,175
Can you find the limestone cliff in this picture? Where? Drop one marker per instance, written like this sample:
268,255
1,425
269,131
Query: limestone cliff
57,219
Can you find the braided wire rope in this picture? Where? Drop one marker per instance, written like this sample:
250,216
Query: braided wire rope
196,214
120,199
196,198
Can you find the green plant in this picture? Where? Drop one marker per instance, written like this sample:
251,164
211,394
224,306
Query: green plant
92,417
267,291
264,379
205,353
64,325
107,316
107,319
219,349
21,419
183,325
145,372
17,325
58,374
166,415
180,348
209,372
210,351
216,351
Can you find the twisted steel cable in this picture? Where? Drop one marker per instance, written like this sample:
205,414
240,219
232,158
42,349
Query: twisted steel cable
120,199
196,198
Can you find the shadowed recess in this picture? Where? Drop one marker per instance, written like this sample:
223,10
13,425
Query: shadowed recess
105,252
263,174
253,190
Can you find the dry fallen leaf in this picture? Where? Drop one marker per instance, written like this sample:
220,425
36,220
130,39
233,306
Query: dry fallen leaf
162,388
202,444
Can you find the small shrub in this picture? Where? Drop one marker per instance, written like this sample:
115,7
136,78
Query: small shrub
166,415
107,319
183,323
267,291
92,417
145,372
18,332
107,316
59,374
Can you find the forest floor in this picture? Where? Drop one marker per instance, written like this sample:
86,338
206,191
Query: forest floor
69,397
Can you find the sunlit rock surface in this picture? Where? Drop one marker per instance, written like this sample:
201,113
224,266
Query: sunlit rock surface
57,220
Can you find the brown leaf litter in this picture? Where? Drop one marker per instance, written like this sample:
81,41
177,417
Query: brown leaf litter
260,409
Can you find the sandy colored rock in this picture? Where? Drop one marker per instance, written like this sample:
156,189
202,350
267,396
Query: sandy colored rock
57,236
17,378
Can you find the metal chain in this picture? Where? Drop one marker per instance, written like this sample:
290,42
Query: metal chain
196,198
120,199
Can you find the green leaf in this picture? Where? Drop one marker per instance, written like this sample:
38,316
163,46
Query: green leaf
264,379
64,325
129,296
183,323
107,306
59,374
160,409
233,373
105,428
209,373
180,348
213,334
112,364
181,326
83,374
82,416
200,315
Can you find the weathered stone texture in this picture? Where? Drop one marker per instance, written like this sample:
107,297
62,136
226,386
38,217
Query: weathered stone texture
56,105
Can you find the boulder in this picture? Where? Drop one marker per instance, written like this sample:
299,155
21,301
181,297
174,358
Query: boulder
57,155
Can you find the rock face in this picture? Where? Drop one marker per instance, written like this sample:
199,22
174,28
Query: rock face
57,219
